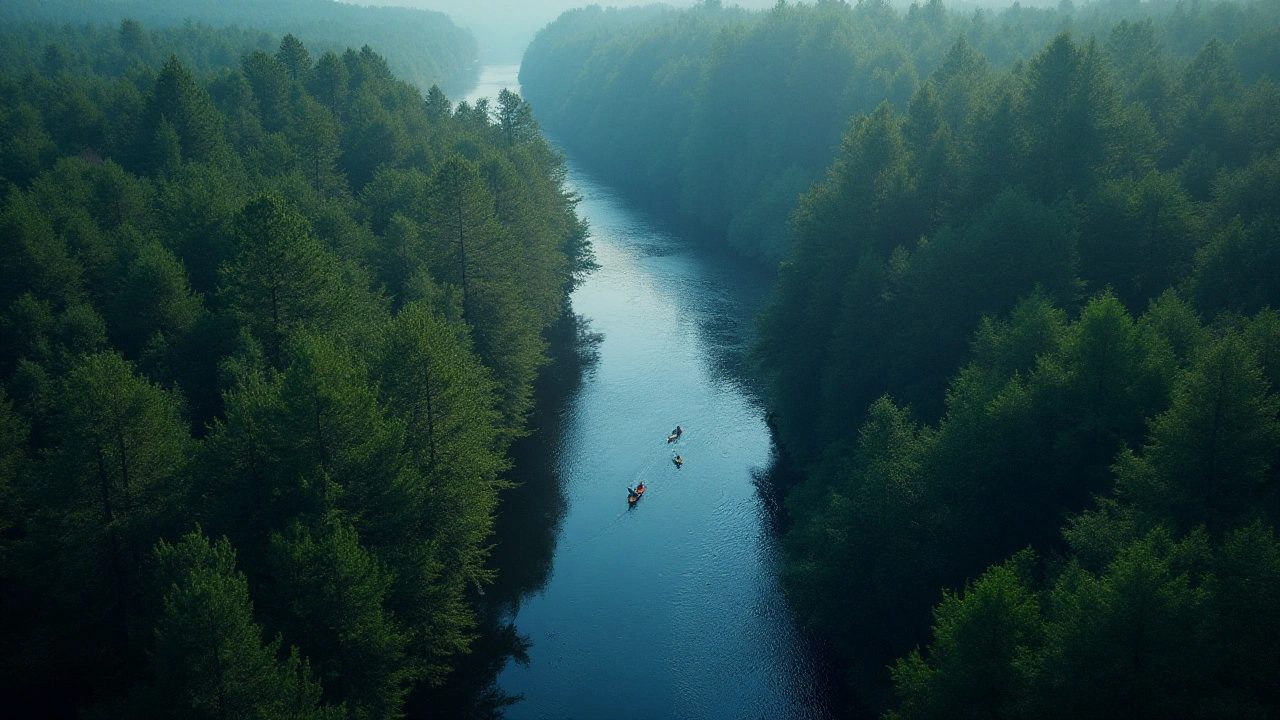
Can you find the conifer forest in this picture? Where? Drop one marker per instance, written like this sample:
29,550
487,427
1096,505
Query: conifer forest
338,364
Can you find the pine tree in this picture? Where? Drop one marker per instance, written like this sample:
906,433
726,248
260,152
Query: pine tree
1208,455
270,81
438,105
515,118
180,100
34,258
448,401
134,39
209,658
403,254
294,56
1070,117
336,440
1131,641
166,148
315,134
281,279
462,214
1247,571
155,301
978,664
330,83
111,483
335,591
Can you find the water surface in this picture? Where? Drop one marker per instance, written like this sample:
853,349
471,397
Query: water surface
493,79
669,609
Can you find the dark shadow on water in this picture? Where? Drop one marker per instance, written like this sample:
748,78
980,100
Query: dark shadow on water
720,289
525,533
835,699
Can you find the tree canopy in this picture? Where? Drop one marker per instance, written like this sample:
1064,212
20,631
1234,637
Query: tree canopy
273,322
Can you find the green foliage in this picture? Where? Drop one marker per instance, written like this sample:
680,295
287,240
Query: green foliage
666,101
1209,454
978,664
281,279
474,252
180,105
1156,633
318,381
423,47
14,466
1137,174
335,590
155,306
209,655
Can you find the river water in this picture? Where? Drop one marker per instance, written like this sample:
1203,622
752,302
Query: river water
669,609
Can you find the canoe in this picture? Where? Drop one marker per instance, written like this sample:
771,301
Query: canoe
633,497
672,437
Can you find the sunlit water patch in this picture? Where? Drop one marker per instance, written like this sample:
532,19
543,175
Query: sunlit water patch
493,80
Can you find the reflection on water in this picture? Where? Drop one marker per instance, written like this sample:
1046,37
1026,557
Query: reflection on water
526,528
669,609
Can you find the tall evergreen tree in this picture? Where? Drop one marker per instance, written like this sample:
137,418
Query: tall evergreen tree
294,56
209,658
178,99
280,279
335,592
1208,456
270,80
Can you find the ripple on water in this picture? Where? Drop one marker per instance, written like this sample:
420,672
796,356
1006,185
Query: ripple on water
670,608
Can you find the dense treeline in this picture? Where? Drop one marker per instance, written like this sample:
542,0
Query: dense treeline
726,116
1092,238
423,47
268,328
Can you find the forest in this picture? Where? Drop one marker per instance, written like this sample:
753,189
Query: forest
664,101
422,47
1023,346
271,319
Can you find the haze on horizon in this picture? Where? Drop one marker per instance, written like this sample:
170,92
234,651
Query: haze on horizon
505,27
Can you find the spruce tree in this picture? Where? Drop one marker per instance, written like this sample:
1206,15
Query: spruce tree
178,99
294,56
280,279
335,592
1209,454
209,659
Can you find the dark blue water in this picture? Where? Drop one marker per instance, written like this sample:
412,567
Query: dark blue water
669,609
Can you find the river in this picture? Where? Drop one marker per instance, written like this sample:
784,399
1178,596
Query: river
669,609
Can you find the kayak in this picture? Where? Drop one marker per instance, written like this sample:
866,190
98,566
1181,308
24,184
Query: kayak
678,462
673,437
633,497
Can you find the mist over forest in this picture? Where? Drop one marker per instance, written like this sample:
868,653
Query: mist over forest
505,27
327,394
